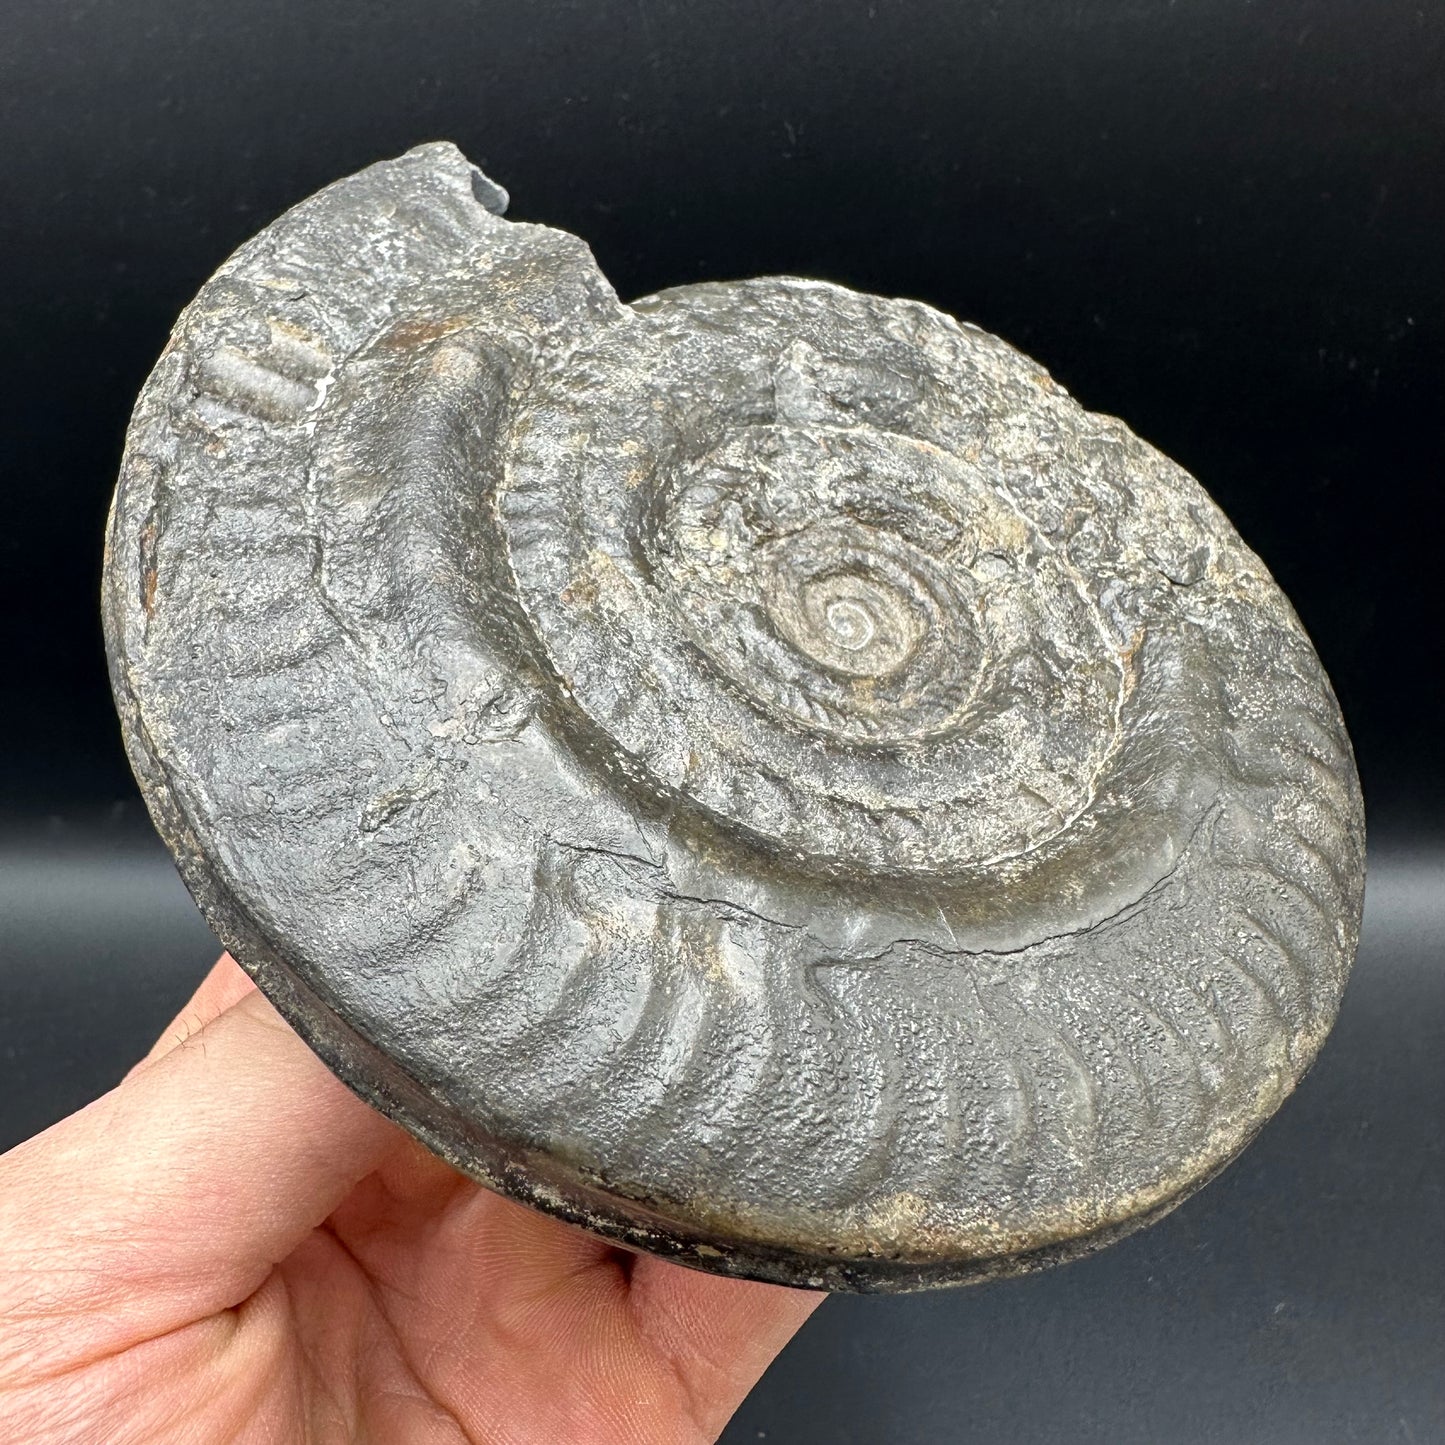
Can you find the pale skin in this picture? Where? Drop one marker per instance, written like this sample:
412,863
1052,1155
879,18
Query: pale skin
230,1246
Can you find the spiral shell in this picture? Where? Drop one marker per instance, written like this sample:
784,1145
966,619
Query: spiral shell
758,771
807,616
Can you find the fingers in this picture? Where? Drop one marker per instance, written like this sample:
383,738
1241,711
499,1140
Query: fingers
225,984
171,1197
594,1344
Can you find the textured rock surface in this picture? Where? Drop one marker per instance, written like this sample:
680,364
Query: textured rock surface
758,771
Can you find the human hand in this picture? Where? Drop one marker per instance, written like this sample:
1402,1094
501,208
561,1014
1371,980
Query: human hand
230,1246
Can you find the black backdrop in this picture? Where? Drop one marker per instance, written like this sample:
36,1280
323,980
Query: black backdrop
1221,220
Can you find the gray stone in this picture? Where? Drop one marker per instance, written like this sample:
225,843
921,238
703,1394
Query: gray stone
758,772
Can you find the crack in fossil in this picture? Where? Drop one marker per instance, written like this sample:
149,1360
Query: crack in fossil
1120,915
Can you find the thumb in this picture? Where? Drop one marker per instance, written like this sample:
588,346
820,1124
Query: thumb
172,1197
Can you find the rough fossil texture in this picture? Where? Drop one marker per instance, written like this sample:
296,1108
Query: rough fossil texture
759,771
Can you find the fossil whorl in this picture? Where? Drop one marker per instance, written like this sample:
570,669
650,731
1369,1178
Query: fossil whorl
758,771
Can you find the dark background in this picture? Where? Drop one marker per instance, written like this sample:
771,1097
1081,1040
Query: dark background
1221,220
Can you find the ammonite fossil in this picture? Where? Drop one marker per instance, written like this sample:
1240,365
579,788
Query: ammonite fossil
757,771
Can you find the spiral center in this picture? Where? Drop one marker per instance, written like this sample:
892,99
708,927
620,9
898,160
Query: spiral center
852,627
823,620
851,624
